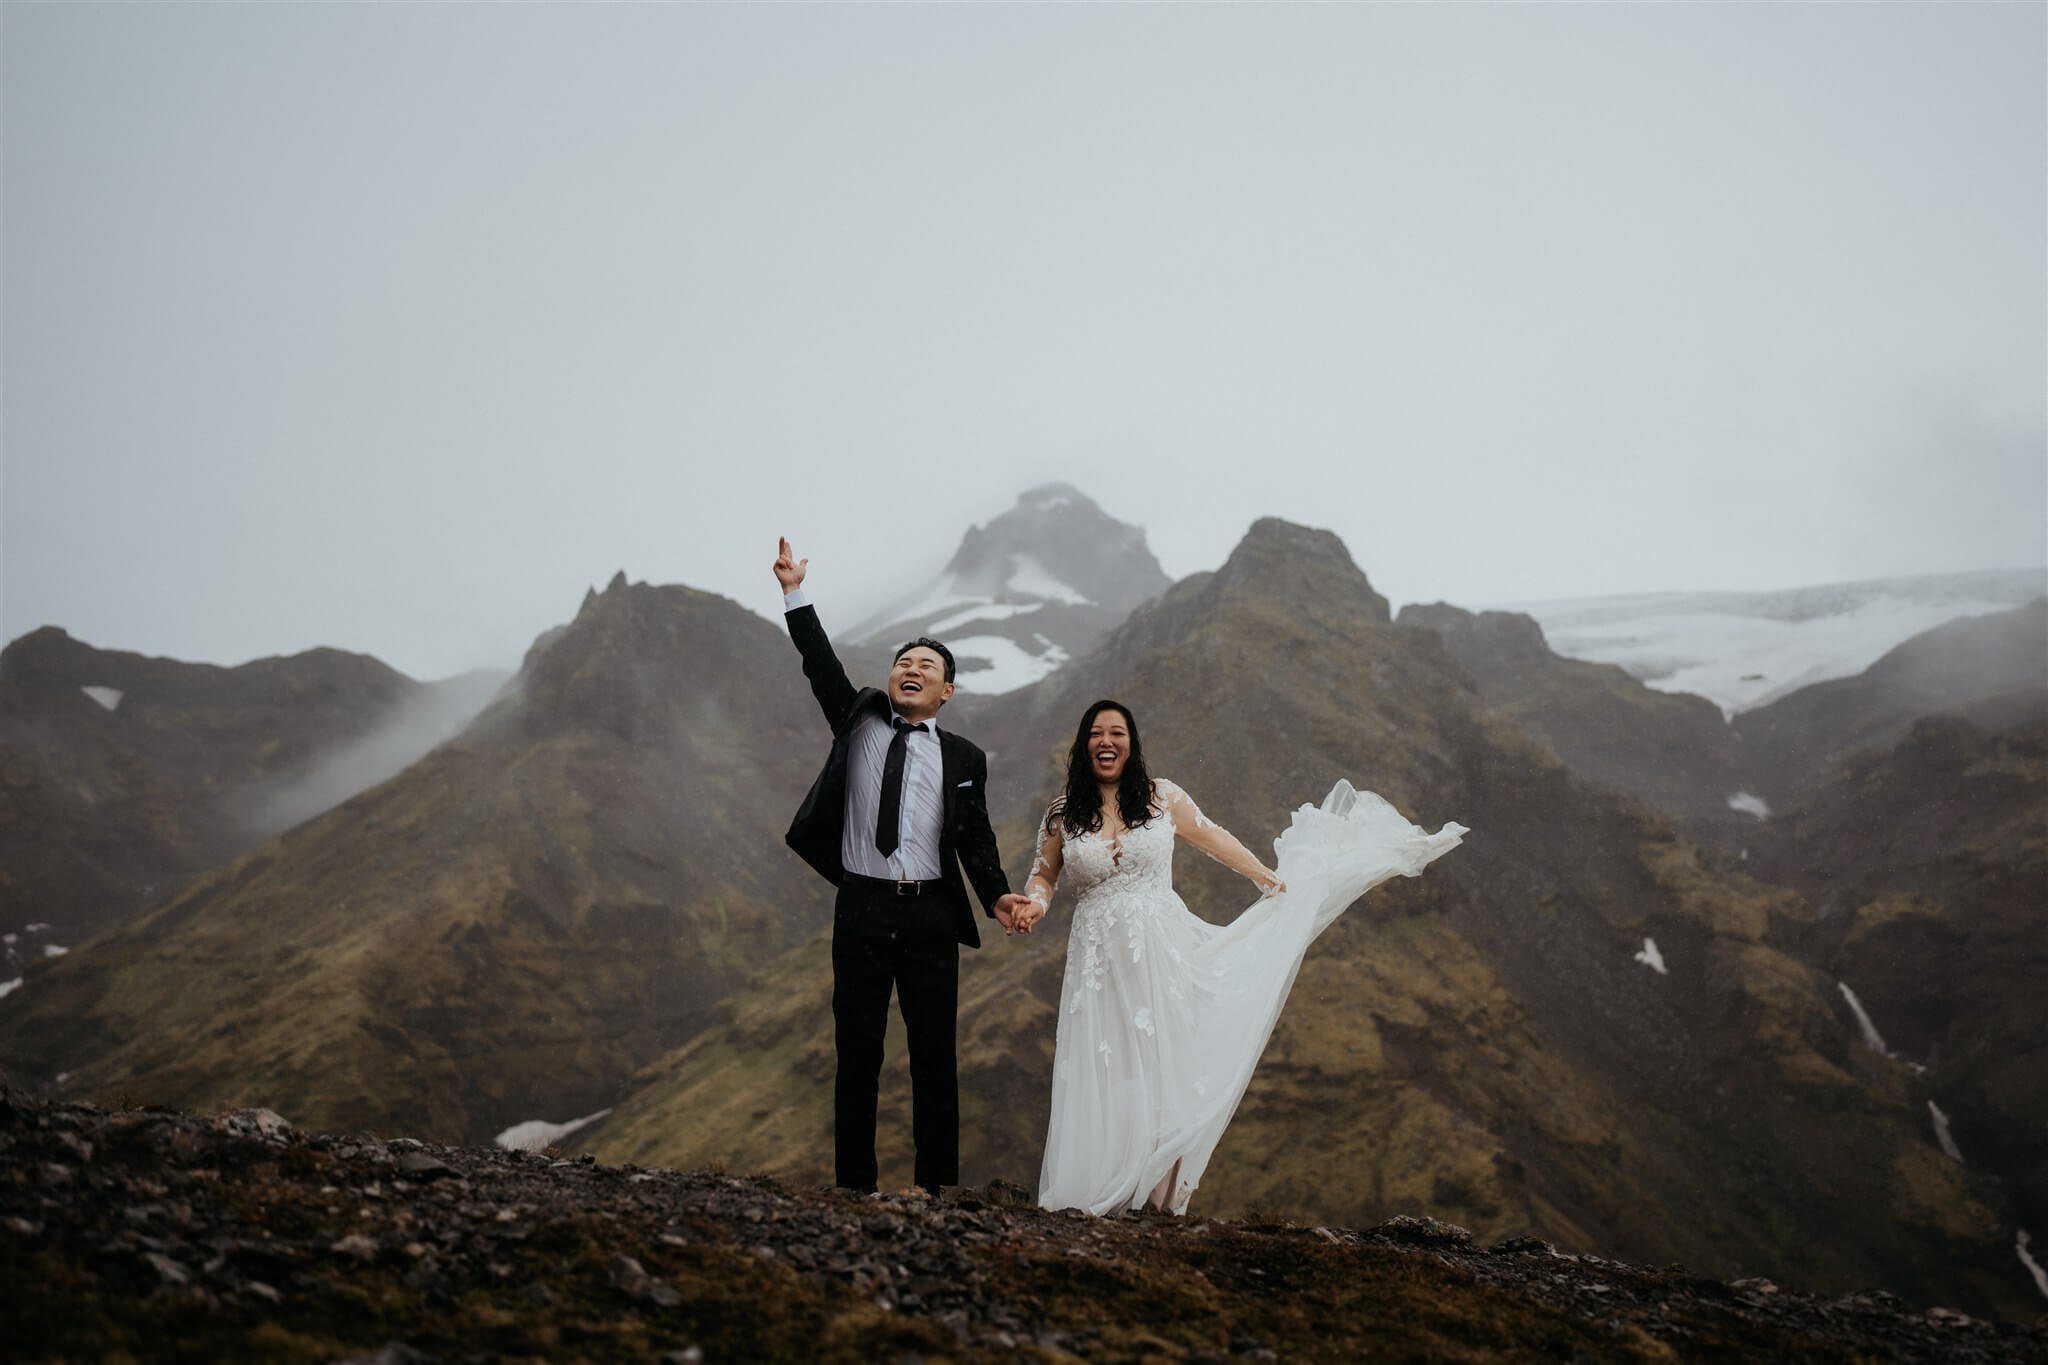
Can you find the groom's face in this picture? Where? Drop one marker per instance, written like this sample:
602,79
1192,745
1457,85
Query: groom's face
917,683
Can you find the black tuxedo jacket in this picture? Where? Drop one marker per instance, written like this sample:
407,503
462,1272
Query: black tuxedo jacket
965,838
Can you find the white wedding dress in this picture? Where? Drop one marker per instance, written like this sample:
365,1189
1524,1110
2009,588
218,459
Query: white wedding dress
1162,1015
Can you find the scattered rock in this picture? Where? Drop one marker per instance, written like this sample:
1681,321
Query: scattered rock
394,1353
423,1166
356,1245
265,1123
1422,1231
630,1278
292,1230
170,1270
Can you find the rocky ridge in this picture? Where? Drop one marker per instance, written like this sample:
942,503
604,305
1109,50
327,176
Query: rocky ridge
1992,670
1670,749
154,1234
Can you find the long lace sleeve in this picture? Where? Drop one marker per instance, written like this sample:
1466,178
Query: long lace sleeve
1219,843
1046,864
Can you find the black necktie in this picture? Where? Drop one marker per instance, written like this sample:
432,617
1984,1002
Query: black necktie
892,787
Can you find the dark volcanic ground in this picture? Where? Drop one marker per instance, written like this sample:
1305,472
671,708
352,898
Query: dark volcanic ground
154,1234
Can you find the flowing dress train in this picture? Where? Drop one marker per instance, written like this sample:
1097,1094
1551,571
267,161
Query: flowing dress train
1163,1015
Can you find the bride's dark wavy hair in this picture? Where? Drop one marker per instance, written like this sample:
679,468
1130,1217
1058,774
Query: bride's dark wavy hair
1080,810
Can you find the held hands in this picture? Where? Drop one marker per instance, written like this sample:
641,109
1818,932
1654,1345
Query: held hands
789,570
1017,913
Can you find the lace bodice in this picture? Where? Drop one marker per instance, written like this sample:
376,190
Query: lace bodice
1138,859
1134,859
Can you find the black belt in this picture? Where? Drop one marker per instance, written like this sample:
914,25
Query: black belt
883,886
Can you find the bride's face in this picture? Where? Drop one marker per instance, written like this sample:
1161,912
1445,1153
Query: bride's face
1109,746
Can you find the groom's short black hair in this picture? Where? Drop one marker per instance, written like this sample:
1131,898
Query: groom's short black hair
934,646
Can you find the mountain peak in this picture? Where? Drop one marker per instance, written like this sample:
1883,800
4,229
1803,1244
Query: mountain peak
1057,545
1034,587
632,655
1297,564
1051,496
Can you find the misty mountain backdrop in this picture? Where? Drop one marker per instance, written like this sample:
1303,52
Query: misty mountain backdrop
1758,995
1037,586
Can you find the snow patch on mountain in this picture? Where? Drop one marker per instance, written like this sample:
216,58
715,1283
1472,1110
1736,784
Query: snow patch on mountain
1872,1039
109,697
1743,649
536,1135
8,988
1942,1133
2021,1245
1029,578
1651,958
983,610
1749,803
943,596
990,664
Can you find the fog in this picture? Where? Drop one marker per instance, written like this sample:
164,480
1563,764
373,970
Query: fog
394,328
400,737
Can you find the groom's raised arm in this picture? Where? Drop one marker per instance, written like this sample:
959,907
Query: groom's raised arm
829,683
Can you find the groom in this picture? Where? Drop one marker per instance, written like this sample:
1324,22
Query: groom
899,803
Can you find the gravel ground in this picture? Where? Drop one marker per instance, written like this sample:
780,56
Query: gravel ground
150,1234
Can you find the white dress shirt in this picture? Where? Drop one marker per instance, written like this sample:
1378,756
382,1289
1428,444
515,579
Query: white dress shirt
919,816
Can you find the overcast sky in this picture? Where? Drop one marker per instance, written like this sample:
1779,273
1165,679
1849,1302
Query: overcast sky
395,328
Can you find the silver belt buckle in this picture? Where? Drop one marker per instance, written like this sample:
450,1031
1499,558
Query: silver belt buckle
906,887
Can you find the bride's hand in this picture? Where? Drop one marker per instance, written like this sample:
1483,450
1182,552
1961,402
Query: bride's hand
1009,912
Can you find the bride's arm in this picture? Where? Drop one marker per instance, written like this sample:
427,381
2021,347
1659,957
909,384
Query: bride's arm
1219,843
1045,871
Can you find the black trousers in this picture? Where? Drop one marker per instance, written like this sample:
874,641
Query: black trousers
880,942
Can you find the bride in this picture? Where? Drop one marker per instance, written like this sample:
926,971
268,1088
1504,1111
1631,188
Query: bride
1162,1015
